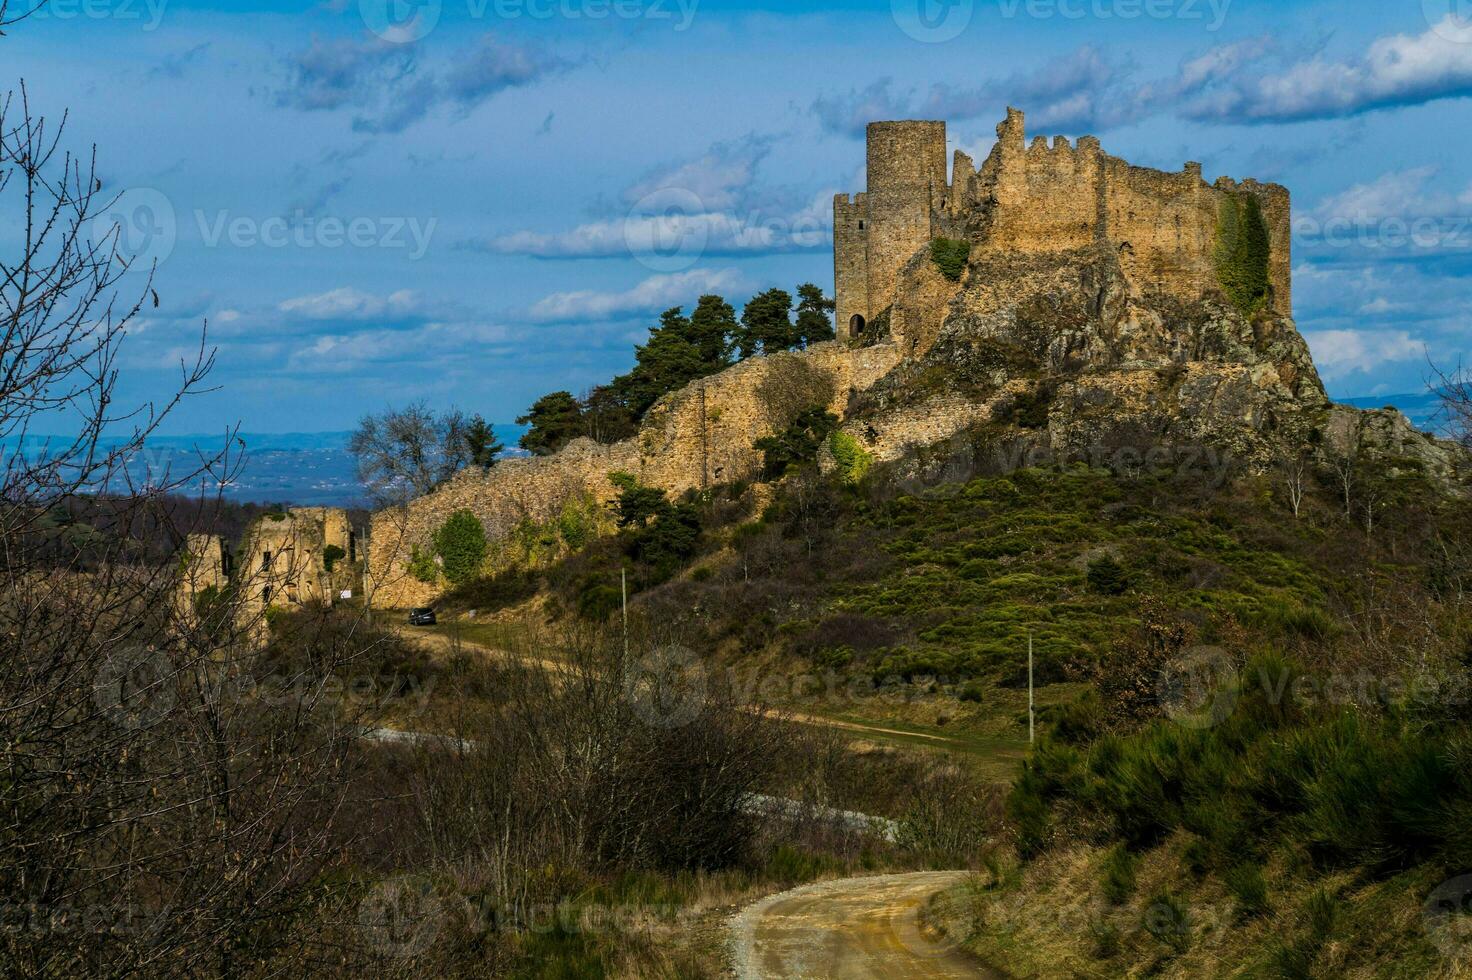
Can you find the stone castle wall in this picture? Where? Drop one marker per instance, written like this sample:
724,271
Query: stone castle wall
1040,198
280,563
699,436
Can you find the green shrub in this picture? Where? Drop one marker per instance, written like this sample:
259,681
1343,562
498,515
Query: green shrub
422,566
1249,888
853,459
461,545
1107,576
950,256
1119,875
331,555
1196,857
1168,919
798,443
1107,939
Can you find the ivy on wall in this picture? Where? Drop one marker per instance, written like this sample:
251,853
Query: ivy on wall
1242,252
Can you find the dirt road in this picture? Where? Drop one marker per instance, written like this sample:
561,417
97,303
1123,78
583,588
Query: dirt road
850,928
441,643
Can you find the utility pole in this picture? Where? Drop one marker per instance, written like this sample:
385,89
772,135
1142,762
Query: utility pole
1030,724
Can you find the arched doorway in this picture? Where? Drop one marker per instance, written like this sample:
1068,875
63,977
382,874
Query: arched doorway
855,325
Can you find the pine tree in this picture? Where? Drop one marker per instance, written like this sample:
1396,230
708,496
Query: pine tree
481,445
668,361
766,324
555,420
713,329
606,416
813,315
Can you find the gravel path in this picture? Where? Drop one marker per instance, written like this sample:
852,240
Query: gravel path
853,928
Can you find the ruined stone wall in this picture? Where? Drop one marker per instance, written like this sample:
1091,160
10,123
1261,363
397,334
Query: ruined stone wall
1047,198
280,563
203,564
701,435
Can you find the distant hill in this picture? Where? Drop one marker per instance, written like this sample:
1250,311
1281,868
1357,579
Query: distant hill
303,468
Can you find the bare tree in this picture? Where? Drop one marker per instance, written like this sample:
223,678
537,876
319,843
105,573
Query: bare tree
1293,473
160,812
1454,390
408,452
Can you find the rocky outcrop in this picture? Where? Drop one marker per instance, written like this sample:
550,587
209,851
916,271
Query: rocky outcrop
1064,350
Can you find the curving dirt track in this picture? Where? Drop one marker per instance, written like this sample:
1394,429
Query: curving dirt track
850,928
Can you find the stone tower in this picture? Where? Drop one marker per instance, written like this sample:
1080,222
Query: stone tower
877,232
1034,197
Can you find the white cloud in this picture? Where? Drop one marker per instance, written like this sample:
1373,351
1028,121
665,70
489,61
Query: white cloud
389,87
707,206
720,178
348,303
344,353
1341,352
650,296
1398,70
1398,194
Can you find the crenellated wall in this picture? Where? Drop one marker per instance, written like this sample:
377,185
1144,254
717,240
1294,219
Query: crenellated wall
1040,197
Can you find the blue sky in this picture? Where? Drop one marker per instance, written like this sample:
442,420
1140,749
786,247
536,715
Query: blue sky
468,201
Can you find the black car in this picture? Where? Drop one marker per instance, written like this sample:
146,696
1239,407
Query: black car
421,617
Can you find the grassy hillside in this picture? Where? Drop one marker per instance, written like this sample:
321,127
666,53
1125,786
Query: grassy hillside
1254,747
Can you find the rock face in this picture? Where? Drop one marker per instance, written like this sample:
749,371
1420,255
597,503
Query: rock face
1062,345
1064,353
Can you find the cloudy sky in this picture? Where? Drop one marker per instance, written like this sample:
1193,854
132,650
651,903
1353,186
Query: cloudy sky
478,201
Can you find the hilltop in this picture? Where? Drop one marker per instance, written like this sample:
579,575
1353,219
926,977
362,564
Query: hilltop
1055,300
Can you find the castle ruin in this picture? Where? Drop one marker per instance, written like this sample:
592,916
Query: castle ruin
1038,198
291,558
1121,269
